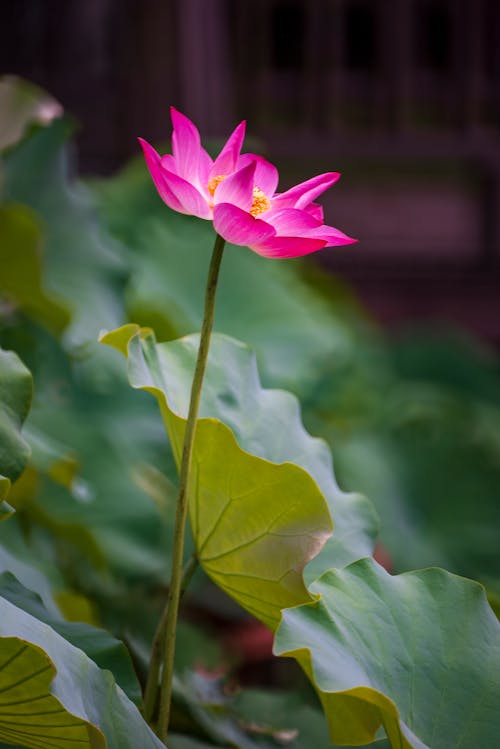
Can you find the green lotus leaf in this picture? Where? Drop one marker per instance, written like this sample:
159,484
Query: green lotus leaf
52,694
266,423
21,279
104,649
29,713
418,654
257,517
26,570
83,268
15,399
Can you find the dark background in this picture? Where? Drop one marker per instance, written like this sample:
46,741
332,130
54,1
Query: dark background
402,96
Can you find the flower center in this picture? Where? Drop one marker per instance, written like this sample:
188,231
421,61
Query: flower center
212,183
260,202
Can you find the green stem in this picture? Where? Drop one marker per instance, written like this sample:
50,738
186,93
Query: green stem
182,500
151,691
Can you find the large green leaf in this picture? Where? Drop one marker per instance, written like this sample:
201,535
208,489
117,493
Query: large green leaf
83,266
418,654
52,694
15,400
21,279
104,649
29,713
257,516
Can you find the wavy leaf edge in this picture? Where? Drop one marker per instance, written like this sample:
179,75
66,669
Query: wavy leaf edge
122,339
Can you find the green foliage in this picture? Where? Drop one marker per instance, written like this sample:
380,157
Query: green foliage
15,400
106,651
53,692
21,280
83,268
428,453
418,653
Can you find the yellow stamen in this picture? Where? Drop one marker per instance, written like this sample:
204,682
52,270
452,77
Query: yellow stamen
260,202
212,183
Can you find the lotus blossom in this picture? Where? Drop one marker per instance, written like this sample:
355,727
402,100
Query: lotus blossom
238,193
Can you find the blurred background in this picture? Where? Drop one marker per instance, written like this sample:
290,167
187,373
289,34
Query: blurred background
402,96
391,344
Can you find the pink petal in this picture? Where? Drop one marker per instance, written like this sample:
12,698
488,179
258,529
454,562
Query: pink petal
190,199
291,222
333,236
226,161
316,210
301,195
239,227
266,174
169,163
237,188
204,168
153,163
283,247
185,145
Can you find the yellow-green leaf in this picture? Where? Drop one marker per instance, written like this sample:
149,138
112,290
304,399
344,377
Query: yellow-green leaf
53,695
257,518
29,713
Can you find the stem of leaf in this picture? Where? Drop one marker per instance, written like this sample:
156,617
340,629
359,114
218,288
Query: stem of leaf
157,649
174,592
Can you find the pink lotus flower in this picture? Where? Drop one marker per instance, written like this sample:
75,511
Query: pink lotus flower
238,192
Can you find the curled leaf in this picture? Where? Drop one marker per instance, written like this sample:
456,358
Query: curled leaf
417,654
53,694
257,517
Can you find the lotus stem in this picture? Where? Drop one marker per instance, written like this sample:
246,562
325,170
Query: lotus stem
157,649
174,593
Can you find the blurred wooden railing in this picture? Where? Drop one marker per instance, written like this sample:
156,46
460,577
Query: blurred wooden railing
401,95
